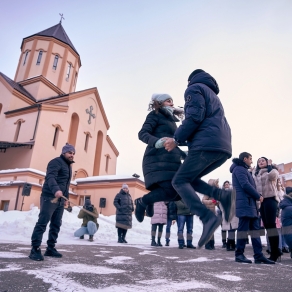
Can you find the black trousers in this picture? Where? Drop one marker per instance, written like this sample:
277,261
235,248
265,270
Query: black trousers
268,213
122,232
154,228
187,180
162,191
48,212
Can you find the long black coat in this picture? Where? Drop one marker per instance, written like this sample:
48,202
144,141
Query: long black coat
205,126
246,193
158,164
58,177
124,205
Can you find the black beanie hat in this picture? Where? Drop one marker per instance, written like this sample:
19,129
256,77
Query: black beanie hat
197,71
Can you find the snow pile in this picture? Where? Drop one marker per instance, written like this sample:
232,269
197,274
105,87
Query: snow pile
17,226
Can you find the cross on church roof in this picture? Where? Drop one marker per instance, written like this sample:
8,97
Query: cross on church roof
61,14
91,115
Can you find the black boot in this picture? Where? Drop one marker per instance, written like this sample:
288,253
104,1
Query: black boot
124,239
190,245
291,254
285,249
153,242
150,210
242,259
81,237
90,238
230,245
208,245
140,209
212,244
210,224
167,242
158,241
52,252
120,240
224,243
181,246
275,251
36,254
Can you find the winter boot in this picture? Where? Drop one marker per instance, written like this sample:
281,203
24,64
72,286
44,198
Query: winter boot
36,254
90,238
158,241
285,249
153,242
208,245
52,252
190,245
120,240
167,243
264,260
275,251
140,209
224,243
210,224
212,244
81,237
150,210
180,246
291,254
124,239
230,245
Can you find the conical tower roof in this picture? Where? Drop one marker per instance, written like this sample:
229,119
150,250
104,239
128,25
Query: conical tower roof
57,31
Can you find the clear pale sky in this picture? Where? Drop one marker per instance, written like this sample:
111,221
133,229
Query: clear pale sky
130,49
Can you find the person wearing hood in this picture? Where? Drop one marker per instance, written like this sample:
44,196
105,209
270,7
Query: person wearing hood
208,137
89,225
124,209
159,166
57,182
265,176
247,210
286,217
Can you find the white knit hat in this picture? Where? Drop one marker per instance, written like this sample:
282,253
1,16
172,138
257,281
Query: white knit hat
161,97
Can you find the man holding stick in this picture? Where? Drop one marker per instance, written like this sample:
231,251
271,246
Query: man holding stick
56,186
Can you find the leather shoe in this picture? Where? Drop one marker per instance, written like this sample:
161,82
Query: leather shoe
209,228
191,246
264,260
242,259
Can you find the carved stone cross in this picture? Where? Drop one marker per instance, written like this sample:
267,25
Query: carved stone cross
91,115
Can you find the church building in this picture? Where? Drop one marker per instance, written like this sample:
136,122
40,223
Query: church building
39,112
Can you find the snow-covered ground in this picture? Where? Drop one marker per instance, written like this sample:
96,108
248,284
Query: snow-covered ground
17,226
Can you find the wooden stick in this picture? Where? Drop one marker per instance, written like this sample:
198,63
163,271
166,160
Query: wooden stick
86,211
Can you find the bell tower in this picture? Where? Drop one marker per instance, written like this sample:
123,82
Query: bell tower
48,59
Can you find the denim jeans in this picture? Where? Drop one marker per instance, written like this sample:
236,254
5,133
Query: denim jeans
48,212
181,221
91,229
252,226
187,180
167,230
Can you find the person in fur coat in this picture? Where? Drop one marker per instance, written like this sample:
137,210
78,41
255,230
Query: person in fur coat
158,219
265,176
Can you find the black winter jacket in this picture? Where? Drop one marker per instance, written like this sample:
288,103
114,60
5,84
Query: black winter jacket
205,126
58,177
171,210
124,205
158,164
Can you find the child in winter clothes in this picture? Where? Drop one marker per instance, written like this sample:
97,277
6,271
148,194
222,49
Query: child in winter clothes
158,219
211,204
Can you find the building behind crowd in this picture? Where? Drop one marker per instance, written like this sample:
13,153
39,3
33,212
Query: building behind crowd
285,170
40,111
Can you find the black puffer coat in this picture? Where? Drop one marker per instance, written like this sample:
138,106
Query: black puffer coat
158,164
171,210
205,126
58,177
124,204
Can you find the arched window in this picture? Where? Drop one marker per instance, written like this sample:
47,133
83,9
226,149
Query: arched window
55,64
98,150
75,80
39,57
73,129
0,107
18,126
107,157
56,136
25,57
68,71
86,142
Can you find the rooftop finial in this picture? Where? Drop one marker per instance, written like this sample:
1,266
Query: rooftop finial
61,14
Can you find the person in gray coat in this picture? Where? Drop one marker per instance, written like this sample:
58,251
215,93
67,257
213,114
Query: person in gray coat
158,219
124,205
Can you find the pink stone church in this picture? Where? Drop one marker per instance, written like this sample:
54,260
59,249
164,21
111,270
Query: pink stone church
39,112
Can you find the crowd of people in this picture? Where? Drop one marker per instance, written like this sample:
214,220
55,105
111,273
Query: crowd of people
174,178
